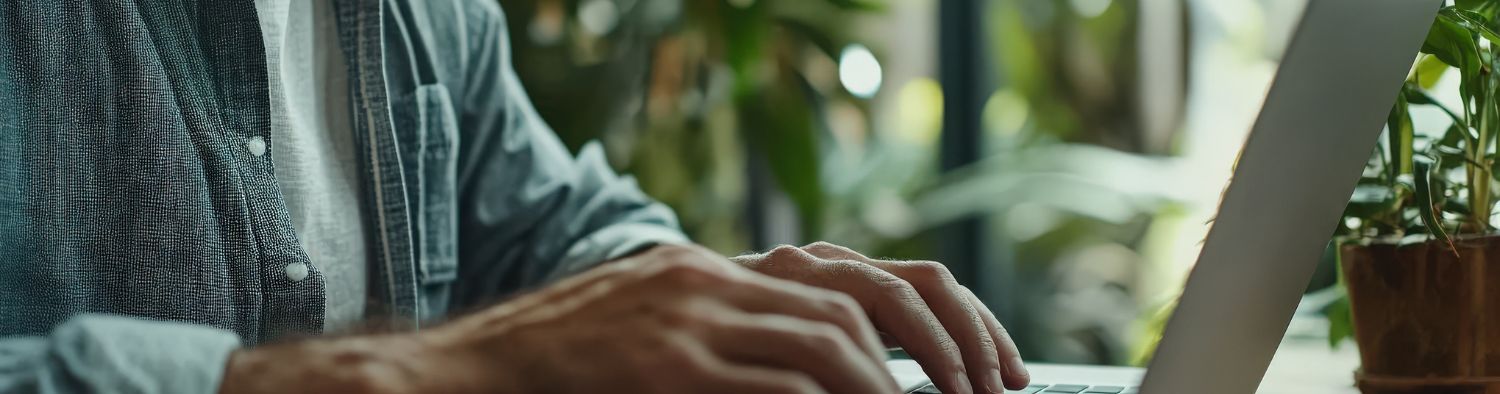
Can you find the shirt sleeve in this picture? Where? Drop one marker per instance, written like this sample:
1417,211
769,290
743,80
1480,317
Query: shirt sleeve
529,211
98,353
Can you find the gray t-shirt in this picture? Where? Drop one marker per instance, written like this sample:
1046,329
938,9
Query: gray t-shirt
312,144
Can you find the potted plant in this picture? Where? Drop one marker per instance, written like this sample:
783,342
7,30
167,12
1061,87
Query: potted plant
1414,249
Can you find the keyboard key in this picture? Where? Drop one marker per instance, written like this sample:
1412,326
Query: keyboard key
1104,390
1066,388
1032,389
1131,390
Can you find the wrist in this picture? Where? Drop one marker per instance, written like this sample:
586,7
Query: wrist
373,364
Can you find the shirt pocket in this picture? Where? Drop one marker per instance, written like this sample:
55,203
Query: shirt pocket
436,134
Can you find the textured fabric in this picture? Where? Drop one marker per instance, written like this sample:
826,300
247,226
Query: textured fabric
110,354
129,184
315,165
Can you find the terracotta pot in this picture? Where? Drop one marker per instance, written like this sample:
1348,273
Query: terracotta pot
1427,320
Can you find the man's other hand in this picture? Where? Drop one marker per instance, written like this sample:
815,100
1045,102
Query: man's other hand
940,323
675,319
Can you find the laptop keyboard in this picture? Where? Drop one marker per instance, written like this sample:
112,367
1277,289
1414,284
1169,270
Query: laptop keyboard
1051,389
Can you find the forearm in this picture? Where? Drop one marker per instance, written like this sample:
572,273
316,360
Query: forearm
428,361
346,365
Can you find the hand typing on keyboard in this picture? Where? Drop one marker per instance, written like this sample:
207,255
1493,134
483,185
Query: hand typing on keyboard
917,304
676,319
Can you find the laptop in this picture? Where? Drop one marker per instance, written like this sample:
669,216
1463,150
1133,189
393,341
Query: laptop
1320,121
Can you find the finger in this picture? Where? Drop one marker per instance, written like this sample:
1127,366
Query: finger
949,303
755,293
770,295
1016,376
941,298
818,349
899,311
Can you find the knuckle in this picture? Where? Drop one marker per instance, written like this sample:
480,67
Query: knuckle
1002,333
897,292
954,353
930,271
987,346
893,285
824,246
785,252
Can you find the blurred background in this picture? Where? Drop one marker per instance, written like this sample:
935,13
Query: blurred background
1063,157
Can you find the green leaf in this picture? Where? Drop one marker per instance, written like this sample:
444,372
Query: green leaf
1455,45
1430,214
1340,321
779,122
1339,312
1429,70
1487,8
1450,43
1471,21
1456,207
812,34
745,35
1494,167
1399,138
858,5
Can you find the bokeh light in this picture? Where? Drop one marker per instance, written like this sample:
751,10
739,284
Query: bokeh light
859,71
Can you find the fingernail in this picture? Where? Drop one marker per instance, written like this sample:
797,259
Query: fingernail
961,383
1018,367
994,383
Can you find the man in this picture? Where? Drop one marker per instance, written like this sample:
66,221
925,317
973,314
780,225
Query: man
193,191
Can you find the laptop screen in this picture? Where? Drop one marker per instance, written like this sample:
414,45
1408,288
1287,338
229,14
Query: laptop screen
1098,238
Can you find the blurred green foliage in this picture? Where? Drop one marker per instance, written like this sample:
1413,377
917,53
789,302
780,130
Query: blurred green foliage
1074,75
695,97
1078,73
677,88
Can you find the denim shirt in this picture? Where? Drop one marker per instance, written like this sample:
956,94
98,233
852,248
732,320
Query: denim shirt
141,241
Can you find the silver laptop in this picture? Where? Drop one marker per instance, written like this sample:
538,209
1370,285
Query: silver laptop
1321,119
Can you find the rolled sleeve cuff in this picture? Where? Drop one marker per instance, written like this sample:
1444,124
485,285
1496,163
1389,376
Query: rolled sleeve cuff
614,242
111,353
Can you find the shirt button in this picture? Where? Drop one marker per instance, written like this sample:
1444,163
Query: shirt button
296,271
256,145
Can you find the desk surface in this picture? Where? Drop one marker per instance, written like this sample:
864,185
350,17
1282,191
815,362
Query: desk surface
1305,365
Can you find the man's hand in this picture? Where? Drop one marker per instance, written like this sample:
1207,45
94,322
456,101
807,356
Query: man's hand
955,338
672,320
